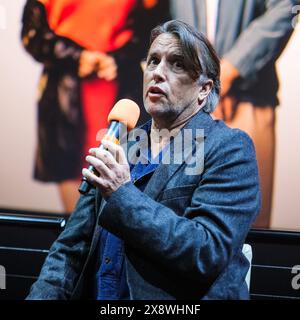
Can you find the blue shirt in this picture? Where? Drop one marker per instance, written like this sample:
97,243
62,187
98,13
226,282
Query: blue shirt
110,277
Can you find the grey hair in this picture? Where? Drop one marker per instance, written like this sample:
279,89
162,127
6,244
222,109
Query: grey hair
200,58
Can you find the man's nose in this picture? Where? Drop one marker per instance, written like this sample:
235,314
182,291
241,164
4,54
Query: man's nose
159,73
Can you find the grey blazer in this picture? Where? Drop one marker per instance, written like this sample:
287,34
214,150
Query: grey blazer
183,235
251,34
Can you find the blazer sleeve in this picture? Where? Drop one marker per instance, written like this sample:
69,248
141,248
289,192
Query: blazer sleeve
67,256
199,243
264,39
42,43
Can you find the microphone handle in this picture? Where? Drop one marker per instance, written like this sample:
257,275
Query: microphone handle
85,186
112,134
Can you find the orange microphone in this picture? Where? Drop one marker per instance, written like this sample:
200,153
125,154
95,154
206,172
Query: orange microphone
124,114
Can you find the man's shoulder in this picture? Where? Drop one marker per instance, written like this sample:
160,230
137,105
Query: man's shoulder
222,131
223,137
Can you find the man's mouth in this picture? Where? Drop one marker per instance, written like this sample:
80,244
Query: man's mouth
155,92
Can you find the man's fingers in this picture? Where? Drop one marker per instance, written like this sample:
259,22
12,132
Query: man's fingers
92,177
99,165
116,151
104,155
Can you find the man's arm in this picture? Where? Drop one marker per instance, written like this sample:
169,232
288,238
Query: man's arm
264,39
65,261
198,244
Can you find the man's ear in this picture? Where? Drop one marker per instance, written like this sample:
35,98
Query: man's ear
204,90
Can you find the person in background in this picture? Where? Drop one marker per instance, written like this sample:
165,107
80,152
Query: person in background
91,52
250,36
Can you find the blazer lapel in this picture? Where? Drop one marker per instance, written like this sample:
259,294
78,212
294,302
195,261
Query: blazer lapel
164,172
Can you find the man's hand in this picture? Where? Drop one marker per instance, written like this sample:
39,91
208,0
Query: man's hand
112,166
101,63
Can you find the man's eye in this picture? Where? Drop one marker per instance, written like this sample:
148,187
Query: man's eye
178,64
153,61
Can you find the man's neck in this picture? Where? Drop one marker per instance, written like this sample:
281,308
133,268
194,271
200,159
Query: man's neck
160,135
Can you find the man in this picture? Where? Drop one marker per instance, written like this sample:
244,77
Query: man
162,231
249,35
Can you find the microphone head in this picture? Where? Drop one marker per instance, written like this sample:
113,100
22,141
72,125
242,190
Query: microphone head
125,111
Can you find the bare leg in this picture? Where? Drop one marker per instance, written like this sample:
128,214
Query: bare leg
69,194
265,141
259,123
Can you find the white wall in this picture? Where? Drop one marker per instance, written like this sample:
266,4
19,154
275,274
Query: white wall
286,212
18,82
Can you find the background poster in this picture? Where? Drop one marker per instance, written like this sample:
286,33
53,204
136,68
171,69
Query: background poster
19,75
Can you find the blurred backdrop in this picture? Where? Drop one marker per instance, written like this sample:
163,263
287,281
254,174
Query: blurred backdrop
19,77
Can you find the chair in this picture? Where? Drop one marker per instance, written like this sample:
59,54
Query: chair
247,251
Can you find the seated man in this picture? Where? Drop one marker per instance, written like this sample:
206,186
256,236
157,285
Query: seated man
163,228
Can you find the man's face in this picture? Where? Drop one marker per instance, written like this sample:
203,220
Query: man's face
170,94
